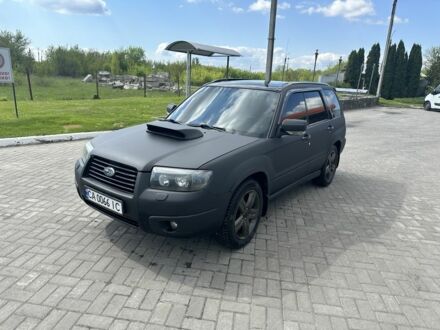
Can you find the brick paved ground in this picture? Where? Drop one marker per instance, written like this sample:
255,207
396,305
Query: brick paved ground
361,254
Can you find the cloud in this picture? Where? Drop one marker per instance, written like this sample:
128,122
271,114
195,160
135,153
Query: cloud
84,7
237,10
264,6
253,57
397,20
349,9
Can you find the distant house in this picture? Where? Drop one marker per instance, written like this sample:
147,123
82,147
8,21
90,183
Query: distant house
331,78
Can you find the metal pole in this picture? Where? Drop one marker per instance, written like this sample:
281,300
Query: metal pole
371,78
387,48
314,67
15,100
188,74
339,70
97,86
145,85
227,67
271,41
29,84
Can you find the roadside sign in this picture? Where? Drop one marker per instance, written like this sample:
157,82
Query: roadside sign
6,76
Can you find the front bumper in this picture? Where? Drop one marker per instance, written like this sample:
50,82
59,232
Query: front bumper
153,210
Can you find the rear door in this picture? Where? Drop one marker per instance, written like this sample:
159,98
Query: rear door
338,120
319,129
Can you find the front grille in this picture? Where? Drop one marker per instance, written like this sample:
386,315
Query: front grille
124,178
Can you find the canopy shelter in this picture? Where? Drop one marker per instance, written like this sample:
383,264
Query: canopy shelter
193,48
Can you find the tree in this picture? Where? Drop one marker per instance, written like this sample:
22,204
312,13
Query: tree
388,77
399,77
176,70
18,44
354,67
415,62
350,75
433,66
372,70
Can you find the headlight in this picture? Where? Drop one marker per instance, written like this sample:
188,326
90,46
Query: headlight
86,152
177,179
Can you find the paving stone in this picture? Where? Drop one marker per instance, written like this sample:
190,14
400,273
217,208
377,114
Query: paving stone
359,254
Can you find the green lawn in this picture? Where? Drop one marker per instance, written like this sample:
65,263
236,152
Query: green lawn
64,105
57,116
59,88
403,102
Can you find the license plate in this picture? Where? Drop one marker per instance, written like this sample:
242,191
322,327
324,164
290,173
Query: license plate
103,200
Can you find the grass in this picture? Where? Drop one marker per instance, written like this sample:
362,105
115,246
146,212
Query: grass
60,88
65,105
403,102
57,116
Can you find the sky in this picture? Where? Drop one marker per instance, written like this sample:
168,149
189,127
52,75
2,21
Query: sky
334,27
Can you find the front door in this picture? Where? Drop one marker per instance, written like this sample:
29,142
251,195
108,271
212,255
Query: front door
290,153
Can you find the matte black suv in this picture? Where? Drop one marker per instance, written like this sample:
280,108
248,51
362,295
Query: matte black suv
218,158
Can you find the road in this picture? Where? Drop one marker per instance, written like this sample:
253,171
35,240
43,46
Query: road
363,253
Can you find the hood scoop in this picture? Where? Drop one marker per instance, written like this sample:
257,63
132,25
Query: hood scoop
174,131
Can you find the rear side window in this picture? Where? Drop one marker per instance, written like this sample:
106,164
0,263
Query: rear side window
315,107
332,102
294,107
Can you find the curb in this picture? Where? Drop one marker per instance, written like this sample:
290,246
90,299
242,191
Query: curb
29,140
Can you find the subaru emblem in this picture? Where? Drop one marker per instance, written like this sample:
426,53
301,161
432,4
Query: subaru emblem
109,171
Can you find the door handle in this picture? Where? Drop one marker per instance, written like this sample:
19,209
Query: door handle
330,128
306,137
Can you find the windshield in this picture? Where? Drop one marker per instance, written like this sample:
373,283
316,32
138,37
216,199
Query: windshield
236,110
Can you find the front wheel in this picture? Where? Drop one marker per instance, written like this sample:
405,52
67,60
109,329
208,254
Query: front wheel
427,106
328,170
243,215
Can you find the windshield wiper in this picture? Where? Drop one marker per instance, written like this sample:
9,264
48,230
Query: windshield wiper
171,120
207,126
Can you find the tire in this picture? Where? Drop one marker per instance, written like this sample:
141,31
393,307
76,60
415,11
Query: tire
242,216
427,106
328,170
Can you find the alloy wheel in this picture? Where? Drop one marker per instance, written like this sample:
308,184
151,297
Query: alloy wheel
246,214
331,165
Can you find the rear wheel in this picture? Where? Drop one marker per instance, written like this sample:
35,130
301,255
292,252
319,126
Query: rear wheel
328,170
243,215
427,106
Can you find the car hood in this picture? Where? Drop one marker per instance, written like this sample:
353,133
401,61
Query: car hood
141,149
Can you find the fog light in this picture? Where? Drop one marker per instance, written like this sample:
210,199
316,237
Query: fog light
173,225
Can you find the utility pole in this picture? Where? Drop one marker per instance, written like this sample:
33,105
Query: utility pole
284,67
359,80
339,70
387,48
314,67
271,41
371,78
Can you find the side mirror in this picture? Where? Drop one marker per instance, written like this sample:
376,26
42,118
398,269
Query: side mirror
292,126
171,107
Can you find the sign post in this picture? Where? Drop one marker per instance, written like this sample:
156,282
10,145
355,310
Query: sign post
6,76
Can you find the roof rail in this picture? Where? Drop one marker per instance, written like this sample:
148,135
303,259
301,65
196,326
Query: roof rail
227,79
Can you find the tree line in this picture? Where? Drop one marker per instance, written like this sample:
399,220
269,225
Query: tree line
402,71
401,78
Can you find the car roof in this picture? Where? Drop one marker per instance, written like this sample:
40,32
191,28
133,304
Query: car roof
260,84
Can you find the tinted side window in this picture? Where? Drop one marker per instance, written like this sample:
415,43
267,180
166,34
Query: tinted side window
315,107
294,107
332,102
